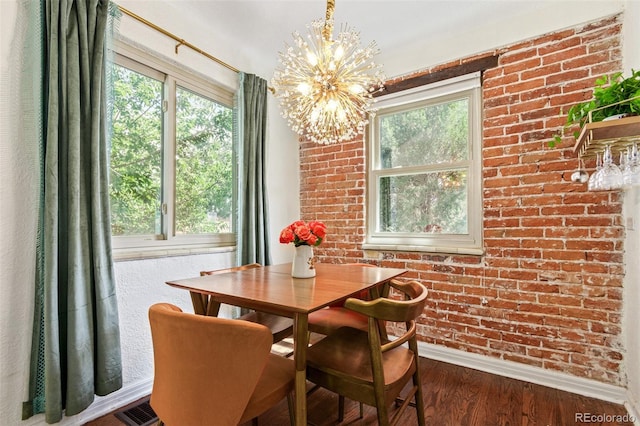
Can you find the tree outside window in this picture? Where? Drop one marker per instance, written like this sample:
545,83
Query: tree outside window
424,173
171,160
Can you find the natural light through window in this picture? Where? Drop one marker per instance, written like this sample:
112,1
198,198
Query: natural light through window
171,177
424,174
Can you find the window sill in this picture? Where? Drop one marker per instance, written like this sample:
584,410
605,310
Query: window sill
139,253
424,249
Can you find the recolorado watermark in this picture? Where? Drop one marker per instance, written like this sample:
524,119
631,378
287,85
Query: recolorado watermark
604,418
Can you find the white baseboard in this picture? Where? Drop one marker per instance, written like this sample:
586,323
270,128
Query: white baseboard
106,404
633,407
551,378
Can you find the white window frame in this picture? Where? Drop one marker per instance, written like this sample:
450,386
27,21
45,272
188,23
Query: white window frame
467,86
173,75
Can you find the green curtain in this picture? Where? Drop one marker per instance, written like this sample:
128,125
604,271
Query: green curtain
252,229
76,340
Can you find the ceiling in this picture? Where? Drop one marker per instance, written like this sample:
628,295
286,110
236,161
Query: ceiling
399,27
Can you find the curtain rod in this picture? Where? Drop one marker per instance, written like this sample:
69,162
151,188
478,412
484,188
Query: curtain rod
181,42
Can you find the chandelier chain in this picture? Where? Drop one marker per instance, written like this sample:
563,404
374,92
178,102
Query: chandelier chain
328,21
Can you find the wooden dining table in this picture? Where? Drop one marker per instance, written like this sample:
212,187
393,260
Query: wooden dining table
271,289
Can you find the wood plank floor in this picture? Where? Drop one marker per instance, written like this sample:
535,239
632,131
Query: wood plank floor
458,396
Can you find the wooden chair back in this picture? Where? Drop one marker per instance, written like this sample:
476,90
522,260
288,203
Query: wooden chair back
205,368
387,309
367,366
327,320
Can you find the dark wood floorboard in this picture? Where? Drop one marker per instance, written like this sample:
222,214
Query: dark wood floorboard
454,396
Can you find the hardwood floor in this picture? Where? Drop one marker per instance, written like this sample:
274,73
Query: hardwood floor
458,396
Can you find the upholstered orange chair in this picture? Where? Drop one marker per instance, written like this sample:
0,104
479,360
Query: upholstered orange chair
281,327
367,368
326,321
211,370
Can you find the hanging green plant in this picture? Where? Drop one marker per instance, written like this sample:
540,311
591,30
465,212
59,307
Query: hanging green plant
612,96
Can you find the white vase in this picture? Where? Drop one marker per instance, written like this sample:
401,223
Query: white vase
302,266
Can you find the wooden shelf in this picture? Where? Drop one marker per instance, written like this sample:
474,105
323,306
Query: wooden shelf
619,133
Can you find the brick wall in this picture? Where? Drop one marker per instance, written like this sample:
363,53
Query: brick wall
548,291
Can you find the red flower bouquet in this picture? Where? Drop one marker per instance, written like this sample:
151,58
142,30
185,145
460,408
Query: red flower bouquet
304,234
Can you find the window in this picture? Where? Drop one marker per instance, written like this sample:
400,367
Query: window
424,183
171,171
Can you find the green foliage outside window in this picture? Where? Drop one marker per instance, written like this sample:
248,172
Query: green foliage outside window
203,160
203,165
136,154
435,137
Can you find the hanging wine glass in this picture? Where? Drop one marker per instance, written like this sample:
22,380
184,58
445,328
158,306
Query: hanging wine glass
631,171
594,184
611,174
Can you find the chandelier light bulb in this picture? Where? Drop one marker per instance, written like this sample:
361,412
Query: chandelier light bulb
312,58
315,113
356,89
326,86
304,88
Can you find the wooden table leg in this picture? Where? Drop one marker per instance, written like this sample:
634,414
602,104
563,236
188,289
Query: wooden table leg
199,302
204,304
300,329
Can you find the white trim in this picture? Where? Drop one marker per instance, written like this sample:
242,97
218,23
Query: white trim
455,89
633,407
137,52
112,402
137,253
423,248
436,89
173,77
515,370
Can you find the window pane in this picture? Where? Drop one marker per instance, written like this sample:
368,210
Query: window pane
430,134
428,202
136,154
203,165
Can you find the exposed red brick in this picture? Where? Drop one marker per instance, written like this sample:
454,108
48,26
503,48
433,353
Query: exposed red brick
552,267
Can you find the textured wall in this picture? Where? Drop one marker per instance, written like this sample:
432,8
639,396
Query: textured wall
632,242
553,267
631,314
141,283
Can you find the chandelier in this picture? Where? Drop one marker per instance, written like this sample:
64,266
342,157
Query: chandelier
326,86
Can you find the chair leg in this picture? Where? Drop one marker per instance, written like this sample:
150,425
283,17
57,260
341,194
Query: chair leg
292,410
383,412
341,408
418,399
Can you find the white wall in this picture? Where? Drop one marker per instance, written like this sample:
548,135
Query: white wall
631,36
631,294
18,201
141,283
535,18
